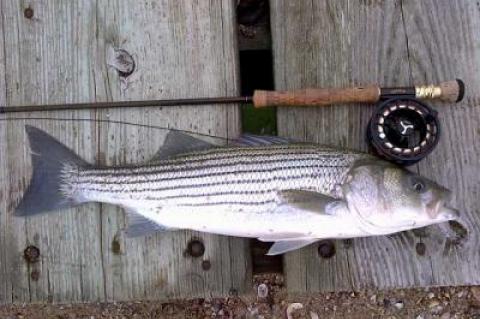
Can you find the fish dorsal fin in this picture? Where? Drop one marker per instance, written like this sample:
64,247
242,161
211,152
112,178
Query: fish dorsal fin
259,140
312,202
177,143
138,225
281,247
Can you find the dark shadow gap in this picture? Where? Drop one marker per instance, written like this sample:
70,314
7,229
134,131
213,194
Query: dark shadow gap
256,73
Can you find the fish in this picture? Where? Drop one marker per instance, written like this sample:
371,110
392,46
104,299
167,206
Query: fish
289,193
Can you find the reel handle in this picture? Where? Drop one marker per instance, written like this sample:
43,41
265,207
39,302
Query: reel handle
450,91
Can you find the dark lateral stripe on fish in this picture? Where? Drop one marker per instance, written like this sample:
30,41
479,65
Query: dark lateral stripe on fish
153,176
107,189
185,161
190,165
243,203
275,164
214,194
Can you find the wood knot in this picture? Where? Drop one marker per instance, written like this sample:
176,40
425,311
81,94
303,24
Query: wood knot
206,265
116,247
123,62
35,275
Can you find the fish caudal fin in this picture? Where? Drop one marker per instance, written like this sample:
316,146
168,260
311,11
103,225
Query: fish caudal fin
49,158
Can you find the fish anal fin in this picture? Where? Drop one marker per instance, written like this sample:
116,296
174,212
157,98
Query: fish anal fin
283,246
177,143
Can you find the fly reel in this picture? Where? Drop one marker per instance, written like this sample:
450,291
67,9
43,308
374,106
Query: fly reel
403,130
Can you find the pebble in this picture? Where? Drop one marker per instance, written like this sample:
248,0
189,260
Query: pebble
262,291
292,307
436,310
399,305
446,315
475,293
430,295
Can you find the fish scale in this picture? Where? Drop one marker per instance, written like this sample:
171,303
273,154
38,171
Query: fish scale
219,177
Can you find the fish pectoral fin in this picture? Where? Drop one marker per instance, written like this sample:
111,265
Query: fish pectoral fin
177,143
281,247
138,225
312,202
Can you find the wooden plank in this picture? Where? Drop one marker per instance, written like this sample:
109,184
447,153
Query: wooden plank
65,55
345,43
181,49
4,277
47,61
443,42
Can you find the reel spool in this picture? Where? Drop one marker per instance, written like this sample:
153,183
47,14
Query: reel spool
403,130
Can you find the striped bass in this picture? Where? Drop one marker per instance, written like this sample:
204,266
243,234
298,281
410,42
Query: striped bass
291,193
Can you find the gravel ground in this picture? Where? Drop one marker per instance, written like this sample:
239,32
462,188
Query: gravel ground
270,300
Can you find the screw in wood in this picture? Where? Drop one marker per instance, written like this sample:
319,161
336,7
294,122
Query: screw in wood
28,13
420,248
326,249
195,248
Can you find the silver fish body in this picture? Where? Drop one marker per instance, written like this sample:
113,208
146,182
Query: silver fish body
293,194
234,177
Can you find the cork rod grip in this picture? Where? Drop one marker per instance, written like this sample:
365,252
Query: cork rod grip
316,97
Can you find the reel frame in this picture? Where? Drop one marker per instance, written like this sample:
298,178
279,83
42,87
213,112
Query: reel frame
388,138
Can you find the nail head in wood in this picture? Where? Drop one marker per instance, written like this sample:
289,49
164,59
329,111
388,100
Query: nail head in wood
326,249
420,248
28,13
195,248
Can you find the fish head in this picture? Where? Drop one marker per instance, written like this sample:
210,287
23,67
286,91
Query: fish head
387,199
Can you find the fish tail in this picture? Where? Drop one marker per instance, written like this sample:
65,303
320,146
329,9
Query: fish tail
52,161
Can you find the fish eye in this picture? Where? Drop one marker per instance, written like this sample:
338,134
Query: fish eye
418,186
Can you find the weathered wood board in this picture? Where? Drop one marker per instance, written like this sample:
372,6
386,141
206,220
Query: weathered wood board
345,43
65,53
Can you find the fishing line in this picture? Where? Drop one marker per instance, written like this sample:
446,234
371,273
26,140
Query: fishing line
116,122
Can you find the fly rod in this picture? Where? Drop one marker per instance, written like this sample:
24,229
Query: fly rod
451,91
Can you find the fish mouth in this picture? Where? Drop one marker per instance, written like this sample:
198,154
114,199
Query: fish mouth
447,213
440,211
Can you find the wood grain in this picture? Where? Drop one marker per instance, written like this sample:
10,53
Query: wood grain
47,61
351,43
199,60
65,53
443,43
